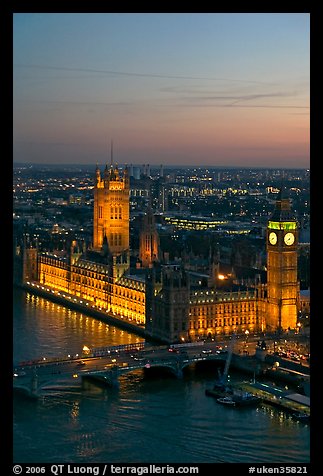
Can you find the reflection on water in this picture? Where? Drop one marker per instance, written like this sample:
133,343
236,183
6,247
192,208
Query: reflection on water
148,419
44,329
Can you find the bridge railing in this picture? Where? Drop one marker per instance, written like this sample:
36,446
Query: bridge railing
186,344
99,351
94,352
105,351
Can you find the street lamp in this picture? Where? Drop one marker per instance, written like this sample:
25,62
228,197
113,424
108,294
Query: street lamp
246,340
86,350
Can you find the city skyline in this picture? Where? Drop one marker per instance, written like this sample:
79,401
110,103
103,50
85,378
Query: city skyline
209,89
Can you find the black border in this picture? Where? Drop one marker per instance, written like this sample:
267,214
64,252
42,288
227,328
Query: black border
95,6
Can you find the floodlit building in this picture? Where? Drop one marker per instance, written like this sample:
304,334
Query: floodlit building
167,299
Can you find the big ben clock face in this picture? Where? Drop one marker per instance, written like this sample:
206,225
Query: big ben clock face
289,239
272,238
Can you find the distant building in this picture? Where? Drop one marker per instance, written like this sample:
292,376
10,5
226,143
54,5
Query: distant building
305,302
189,222
76,199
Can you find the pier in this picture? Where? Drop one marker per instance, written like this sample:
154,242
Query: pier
287,400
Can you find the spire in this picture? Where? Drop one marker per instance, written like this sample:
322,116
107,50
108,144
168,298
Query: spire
97,175
126,177
283,210
111,154
106,172
116,172
283,192
105,250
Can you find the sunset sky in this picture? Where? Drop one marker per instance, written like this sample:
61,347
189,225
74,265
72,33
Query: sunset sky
168,88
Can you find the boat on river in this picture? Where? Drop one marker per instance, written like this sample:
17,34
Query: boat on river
300,416
244,399
219,390
226,401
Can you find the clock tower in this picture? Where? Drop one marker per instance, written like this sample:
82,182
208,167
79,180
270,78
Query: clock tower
282,282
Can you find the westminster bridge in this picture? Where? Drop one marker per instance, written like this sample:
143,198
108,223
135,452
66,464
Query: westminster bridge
106,365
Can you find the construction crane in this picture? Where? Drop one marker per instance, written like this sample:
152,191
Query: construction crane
224,376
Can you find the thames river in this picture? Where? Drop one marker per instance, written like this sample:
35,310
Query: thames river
147,420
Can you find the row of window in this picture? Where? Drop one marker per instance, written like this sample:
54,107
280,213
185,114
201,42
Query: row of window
55,277
128,294
115,212
78,277
121,306
223,308
115,239
59,268
227,321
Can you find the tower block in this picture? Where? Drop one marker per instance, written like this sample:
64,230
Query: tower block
111,210
282,279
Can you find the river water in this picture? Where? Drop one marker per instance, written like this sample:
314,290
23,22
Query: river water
147,420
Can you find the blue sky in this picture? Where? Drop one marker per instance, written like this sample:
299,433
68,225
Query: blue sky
177,88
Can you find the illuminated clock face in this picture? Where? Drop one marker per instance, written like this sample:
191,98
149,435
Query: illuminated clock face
289,239
272,238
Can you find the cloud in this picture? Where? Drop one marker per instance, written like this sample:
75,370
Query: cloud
236,105
60,144
280,106
242,98
81,103
128,73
